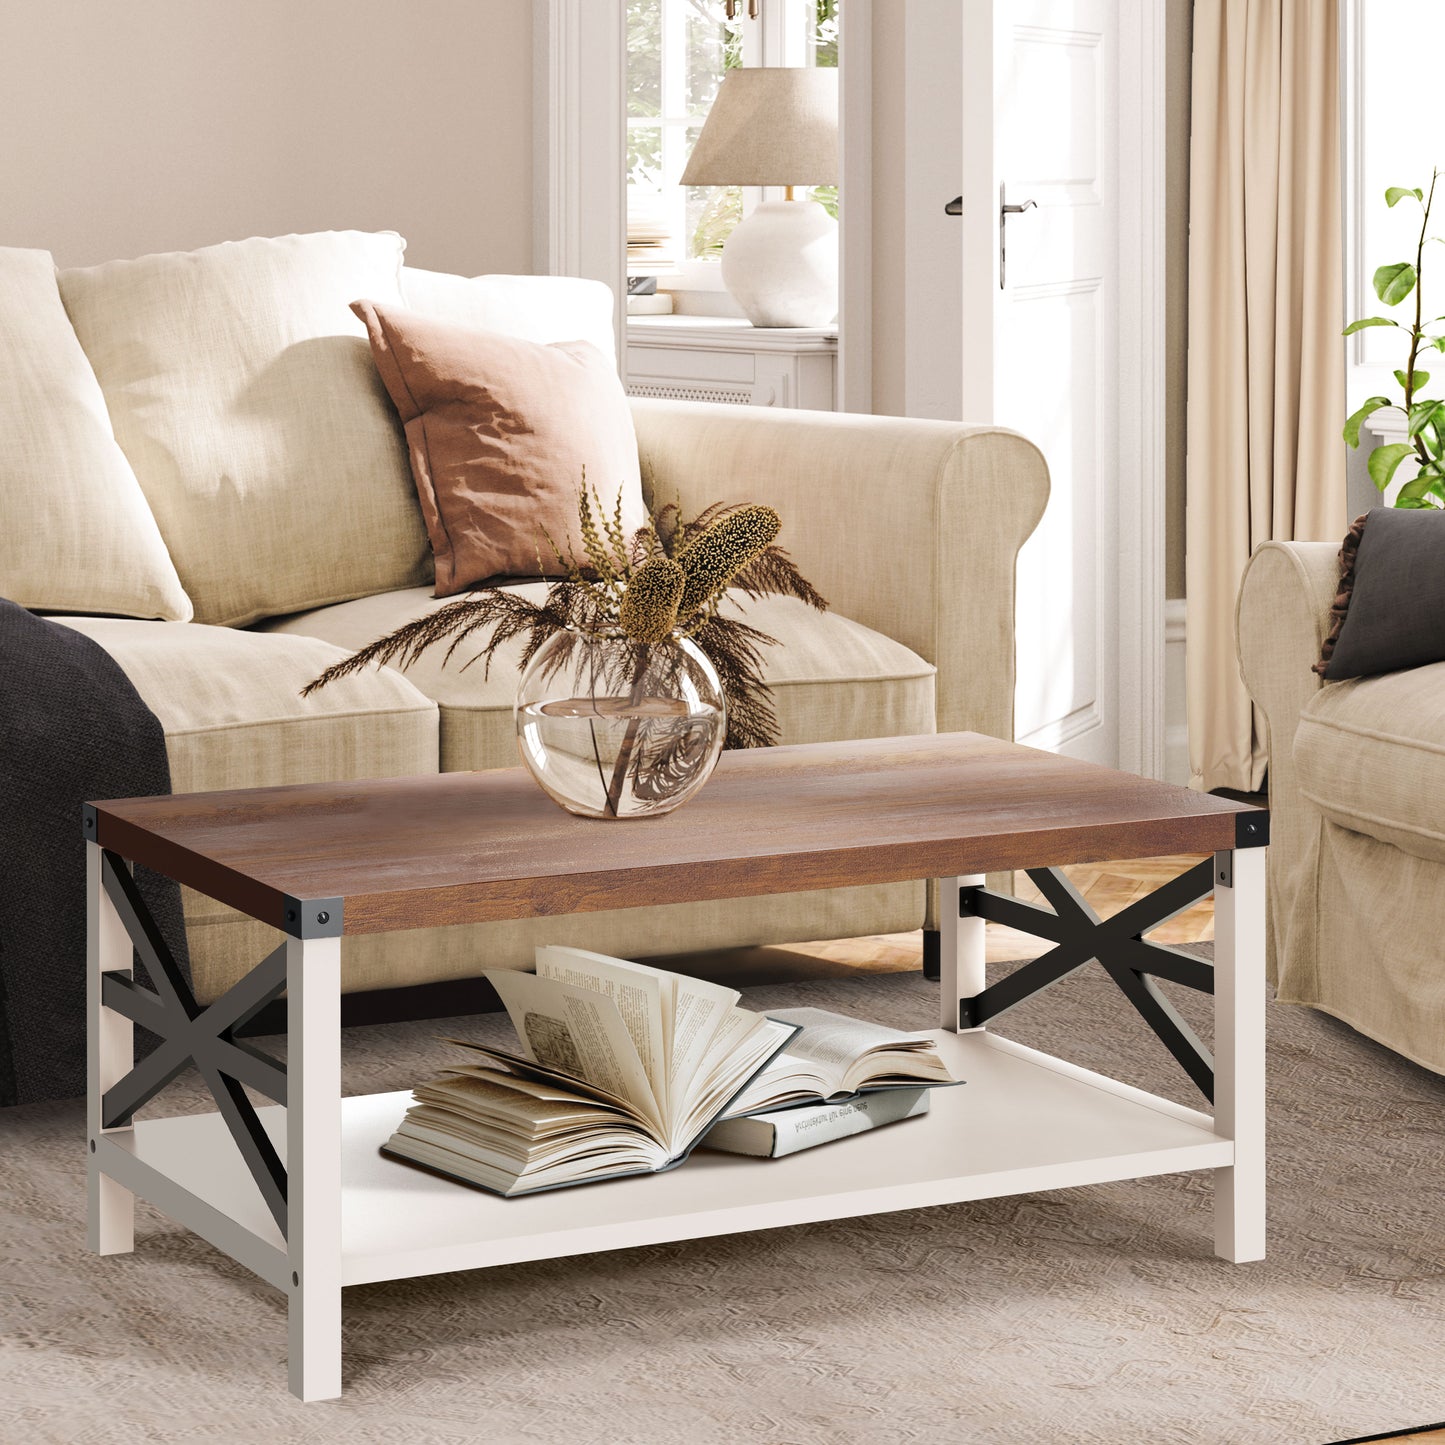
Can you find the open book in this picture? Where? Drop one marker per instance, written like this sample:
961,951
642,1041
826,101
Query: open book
622,1069
835,1058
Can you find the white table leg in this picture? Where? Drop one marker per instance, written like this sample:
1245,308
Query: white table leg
1239,1037
110,1218
961,949
313,1165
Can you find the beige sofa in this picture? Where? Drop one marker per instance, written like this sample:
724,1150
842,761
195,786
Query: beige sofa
240,391
1357,793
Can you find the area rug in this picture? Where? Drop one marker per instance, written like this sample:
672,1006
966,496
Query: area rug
1088,1315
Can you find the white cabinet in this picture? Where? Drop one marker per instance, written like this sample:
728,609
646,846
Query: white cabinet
719,358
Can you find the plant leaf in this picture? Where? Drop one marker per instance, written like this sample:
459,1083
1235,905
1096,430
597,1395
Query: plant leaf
1394,283
1419,379
1421,415
1385,461
1396,194
1360,325
1352,426
1418,488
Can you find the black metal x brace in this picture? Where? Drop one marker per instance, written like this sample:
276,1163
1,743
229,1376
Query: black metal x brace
191,1034
1079,936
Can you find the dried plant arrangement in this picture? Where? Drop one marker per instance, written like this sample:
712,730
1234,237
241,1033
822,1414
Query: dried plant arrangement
665,582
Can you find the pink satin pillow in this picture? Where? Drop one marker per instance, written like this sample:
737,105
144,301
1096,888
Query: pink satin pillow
500,432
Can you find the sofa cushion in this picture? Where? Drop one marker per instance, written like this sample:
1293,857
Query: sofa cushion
242,391
534,308
76,532
503,433
832,679
1370,754
230,704
229,701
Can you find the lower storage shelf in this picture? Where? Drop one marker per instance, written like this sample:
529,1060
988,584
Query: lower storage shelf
1022,1122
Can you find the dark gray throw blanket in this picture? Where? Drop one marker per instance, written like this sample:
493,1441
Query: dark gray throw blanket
72,729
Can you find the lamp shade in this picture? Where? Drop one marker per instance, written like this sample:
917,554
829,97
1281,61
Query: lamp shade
769,126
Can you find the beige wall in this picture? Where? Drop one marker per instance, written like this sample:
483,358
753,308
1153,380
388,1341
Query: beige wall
146,125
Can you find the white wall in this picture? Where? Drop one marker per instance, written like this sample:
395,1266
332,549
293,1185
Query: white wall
144,125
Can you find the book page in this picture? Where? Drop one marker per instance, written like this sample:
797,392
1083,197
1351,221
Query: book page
707,1017
642,995
832,1042
575,1031
764,1037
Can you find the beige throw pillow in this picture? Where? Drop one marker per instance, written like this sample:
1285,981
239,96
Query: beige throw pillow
536,308
502,432
76,534
243,393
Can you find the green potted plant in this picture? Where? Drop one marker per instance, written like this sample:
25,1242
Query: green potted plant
1395,284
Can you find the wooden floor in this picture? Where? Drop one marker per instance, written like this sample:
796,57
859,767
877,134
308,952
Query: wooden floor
1107,886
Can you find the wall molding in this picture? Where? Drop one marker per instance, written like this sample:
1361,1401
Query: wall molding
579,129
1176,711
855,212
1141,401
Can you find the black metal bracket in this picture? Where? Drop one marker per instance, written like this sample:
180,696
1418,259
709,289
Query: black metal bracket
1251,828
312,917
191,1034
1080,936
932,955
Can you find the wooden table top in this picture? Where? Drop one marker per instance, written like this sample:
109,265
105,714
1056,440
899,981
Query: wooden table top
473,847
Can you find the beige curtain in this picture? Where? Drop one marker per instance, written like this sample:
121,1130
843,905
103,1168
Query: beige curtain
1266,363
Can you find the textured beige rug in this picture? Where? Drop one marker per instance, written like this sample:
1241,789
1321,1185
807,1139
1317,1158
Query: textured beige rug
1093,1315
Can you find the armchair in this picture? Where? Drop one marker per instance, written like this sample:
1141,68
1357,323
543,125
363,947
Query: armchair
1357,792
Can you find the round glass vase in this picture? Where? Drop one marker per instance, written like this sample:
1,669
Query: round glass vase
612,728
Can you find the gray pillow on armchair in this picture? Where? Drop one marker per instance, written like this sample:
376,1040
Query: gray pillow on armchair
1389,613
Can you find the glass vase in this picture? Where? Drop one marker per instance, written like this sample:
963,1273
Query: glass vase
612,728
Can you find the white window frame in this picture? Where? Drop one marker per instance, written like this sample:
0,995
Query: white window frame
1369,357
778,36
580,158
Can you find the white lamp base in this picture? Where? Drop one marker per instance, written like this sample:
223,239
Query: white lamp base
781,264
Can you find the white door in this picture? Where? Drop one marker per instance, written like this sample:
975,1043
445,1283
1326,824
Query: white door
1040,308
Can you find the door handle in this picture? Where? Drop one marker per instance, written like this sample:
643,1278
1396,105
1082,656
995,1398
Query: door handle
1005,210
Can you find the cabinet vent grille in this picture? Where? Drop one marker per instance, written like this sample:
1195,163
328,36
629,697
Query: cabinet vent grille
684,392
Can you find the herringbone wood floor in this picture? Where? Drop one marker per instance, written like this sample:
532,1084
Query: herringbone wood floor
1108,886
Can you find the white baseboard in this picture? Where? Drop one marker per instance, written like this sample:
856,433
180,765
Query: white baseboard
1176,719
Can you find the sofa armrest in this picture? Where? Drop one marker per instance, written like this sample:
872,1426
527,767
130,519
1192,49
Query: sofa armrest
1281,621
909,527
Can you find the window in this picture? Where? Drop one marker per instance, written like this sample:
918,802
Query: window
1393,141
677,54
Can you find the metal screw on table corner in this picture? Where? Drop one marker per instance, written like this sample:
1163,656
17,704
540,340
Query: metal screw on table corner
92,1146
291,915
323,917
295,1279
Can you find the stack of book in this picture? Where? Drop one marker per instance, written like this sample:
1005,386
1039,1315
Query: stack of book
623,1069
650,247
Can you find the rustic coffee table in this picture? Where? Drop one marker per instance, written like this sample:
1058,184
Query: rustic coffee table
300,1195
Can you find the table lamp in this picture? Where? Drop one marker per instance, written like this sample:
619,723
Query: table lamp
774,126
